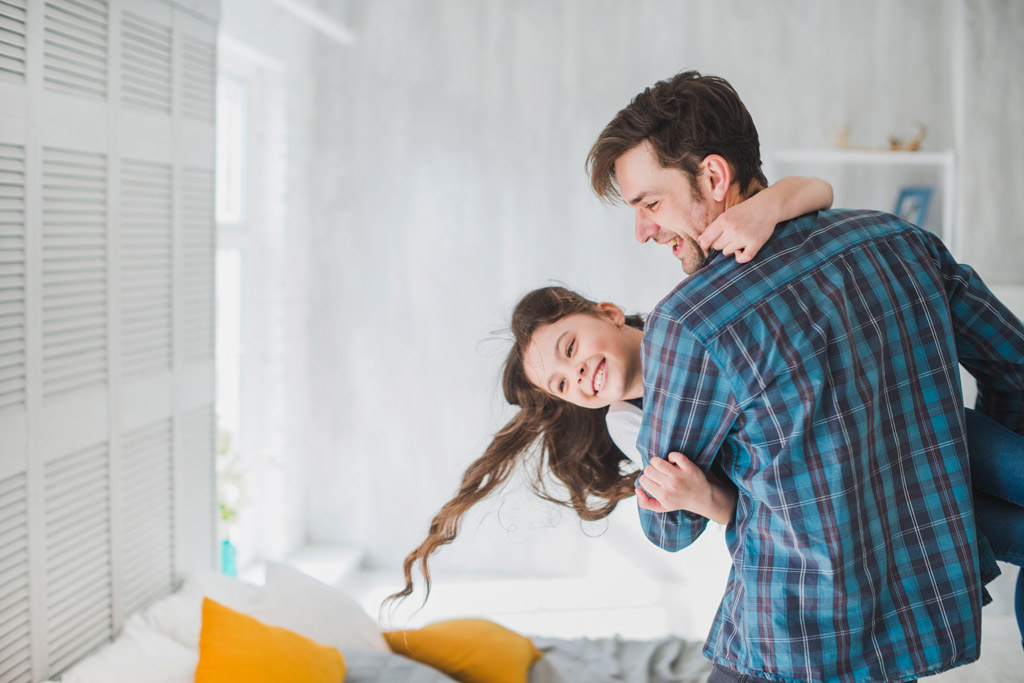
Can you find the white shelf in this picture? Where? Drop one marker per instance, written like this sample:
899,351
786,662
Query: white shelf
939,163
856,156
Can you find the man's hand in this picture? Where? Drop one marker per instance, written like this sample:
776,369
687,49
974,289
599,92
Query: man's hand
678,484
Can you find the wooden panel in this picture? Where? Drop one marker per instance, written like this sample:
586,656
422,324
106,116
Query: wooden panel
12,40
78,567
199,78
15,649
74,270
145,267
146,515
198,243
12,277
145,63
75,39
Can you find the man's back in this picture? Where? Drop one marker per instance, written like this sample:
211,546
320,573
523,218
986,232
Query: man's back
823,376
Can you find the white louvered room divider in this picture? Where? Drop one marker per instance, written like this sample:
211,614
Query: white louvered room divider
106,317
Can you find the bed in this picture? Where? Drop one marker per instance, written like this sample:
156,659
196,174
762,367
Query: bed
160,644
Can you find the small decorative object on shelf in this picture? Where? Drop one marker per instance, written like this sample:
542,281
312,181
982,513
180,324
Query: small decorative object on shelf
912,204
227,558
895,144
231,485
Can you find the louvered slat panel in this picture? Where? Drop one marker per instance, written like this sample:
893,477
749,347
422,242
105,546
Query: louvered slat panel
75,46
74,270
147,514
145,267
199,78
197,317
145,63
15,655
78,580
12,274
12,39
198,501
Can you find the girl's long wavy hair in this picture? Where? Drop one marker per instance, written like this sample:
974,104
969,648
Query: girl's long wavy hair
574,442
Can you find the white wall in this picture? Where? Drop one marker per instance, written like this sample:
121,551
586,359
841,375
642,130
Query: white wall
271,51
449,142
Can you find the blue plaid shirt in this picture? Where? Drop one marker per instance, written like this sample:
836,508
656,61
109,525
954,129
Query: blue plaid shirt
822,380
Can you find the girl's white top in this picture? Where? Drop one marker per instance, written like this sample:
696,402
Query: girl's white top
623,421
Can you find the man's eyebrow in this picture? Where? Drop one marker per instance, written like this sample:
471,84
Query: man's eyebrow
558,343
639,198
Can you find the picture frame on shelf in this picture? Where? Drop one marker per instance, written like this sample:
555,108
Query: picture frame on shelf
912,204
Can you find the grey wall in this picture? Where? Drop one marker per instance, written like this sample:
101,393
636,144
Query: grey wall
449,142
992,172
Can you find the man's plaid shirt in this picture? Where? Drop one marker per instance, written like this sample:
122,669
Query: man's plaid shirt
822,379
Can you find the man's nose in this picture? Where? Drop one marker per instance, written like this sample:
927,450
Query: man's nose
644,227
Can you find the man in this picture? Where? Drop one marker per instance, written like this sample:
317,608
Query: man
822,380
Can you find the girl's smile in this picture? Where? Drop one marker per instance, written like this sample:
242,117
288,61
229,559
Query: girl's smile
588,359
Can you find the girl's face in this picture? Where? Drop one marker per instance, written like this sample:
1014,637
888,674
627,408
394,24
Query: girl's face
591,360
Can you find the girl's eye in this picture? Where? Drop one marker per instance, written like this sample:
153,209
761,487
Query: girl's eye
568,349
561,385
650,207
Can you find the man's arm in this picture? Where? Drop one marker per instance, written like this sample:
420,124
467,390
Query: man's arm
989,343
689,407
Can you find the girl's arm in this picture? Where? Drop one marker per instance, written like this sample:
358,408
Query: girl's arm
743,229
677,483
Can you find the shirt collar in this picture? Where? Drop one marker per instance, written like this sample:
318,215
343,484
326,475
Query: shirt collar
712,255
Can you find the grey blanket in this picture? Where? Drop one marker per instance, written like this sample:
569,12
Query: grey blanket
614,660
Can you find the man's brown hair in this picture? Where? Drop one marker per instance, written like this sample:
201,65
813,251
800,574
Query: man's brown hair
685,118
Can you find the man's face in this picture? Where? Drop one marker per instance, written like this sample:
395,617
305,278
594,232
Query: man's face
664,203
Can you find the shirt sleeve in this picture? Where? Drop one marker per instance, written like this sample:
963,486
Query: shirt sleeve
689,407
989,343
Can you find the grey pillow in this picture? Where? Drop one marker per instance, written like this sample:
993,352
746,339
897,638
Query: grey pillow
370,666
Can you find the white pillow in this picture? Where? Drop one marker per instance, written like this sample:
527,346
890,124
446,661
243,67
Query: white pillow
318,611
179,616
289,599
138,654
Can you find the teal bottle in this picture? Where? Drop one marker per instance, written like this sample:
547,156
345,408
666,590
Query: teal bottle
227,558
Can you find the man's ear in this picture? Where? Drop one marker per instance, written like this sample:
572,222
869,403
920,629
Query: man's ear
717,176
613,312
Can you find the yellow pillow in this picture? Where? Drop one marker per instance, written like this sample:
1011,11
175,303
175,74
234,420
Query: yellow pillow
468,650
235,647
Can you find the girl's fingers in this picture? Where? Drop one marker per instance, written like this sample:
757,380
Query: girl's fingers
746,255
649,484
659,465
710,234
728,248
648,503
681,461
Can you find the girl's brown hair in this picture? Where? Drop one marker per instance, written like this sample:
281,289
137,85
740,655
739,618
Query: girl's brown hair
574,442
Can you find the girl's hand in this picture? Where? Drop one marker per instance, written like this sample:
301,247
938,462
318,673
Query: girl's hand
741,230
678,484
744,228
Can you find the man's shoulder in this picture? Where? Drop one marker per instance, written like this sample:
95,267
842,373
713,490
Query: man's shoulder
720,291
